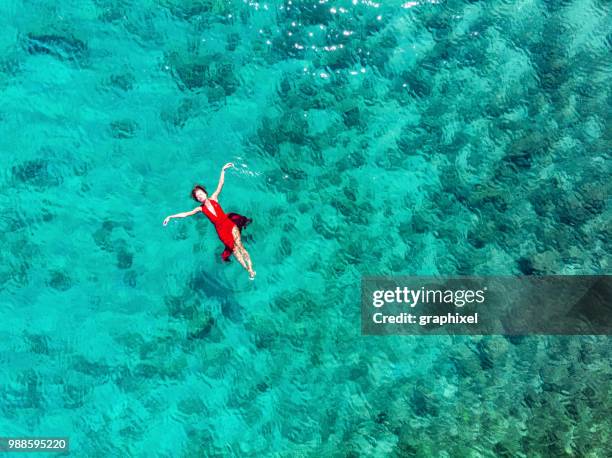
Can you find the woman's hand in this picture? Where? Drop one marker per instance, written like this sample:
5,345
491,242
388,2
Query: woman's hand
227,166
166,220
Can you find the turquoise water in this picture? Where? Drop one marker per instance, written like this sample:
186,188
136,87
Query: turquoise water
426,137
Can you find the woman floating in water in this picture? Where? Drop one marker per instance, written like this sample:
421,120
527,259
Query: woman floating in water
228,225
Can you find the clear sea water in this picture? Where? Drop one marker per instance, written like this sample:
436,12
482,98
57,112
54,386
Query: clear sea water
370,137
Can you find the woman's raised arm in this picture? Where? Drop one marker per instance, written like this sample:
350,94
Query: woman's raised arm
215,194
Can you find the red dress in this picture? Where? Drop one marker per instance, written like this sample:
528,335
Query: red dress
224,224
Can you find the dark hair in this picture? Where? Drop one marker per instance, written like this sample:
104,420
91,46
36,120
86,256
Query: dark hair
195,188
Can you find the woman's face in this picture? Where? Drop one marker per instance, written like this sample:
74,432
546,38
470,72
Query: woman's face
200,195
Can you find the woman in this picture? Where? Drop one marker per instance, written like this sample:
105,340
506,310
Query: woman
228,225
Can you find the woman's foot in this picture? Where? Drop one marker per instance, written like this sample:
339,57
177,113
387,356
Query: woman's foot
252,274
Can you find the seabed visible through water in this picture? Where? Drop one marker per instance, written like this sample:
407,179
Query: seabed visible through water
412,138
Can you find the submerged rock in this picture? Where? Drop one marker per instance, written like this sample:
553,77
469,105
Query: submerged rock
124,257
62,47
124,128
37,172
123,81
208,72
492,351
60,280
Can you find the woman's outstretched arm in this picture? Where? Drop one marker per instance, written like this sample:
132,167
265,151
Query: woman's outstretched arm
215,194
182,215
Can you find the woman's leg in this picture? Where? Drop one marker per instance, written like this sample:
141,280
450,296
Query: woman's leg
241,253
238,255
